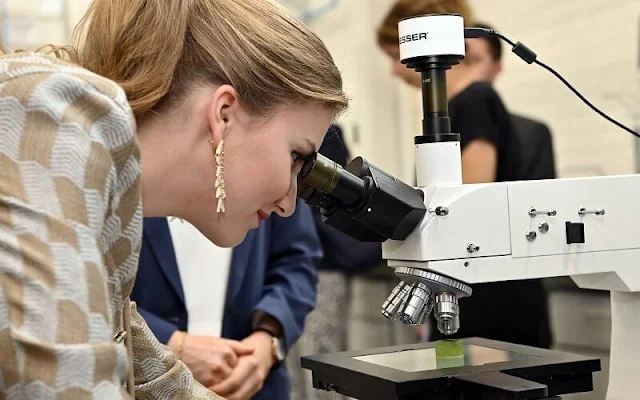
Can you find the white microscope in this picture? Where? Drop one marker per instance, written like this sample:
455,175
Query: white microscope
443,236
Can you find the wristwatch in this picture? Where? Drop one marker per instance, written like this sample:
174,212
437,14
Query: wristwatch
278,352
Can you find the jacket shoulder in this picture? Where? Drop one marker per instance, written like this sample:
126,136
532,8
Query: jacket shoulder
25,72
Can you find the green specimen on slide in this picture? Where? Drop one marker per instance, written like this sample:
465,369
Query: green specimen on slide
449,348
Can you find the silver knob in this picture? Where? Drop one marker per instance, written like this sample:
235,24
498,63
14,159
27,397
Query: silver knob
473,248
531,235
440,211
550,213
543,227
597,211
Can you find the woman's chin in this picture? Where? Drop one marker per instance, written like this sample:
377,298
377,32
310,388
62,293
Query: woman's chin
229,237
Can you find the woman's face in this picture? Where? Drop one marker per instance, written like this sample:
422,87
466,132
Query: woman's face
261,164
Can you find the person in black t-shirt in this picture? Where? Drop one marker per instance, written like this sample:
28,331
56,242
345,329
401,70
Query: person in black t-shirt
513,311
490,148
485,54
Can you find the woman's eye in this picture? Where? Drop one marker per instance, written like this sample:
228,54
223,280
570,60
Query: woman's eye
296,158
297,161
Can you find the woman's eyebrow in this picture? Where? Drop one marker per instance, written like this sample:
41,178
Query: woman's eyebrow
311,146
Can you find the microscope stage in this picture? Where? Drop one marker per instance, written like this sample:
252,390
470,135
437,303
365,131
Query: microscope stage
489,369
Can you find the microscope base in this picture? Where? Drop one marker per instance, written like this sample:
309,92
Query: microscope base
489,370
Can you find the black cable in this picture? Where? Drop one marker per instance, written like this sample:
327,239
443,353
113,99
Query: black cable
594,108
530,57
506,39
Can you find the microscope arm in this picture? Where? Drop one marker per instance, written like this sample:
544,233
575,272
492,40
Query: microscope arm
489,232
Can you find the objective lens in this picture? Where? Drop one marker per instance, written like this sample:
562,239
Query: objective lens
392,304
414,308
329,177
447,313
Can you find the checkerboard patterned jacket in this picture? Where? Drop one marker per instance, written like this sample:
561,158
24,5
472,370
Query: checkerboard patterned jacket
70,234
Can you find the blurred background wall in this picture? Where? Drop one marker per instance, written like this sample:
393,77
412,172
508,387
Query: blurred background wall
27,24
594,44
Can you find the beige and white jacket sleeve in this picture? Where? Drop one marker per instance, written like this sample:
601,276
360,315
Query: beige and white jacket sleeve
70,232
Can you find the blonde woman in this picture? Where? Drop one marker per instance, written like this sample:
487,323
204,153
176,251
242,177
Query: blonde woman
197,109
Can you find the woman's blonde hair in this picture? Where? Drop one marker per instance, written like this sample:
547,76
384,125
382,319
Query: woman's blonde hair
388,30
157,49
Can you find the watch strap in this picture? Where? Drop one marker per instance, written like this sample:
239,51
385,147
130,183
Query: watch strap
263,329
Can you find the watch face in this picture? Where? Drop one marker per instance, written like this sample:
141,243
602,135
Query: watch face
278,350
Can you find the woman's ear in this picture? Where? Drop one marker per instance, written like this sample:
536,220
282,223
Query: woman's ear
223,111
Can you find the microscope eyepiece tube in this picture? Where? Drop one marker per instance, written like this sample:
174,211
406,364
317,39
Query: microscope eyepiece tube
330,178
434,102
432,45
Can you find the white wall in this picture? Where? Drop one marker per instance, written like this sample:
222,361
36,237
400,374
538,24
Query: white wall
29,24
594,44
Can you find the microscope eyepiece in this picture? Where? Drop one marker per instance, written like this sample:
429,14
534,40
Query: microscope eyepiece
314,197
330,178
360,200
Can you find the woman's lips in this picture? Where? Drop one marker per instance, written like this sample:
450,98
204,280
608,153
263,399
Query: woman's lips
262,215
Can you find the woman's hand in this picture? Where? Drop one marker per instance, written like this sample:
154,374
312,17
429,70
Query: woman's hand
249,375
211,359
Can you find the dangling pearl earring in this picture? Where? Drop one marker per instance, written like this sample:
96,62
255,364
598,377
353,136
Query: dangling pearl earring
221,195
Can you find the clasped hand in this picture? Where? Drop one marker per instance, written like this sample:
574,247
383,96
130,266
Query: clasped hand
235,370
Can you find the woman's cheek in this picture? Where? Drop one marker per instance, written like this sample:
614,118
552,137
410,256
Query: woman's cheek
281,183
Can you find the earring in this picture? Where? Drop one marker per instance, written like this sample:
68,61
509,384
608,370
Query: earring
221,195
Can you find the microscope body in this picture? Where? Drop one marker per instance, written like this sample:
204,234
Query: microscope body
584,228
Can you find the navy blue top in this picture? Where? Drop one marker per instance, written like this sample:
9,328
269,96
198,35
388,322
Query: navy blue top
273,270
